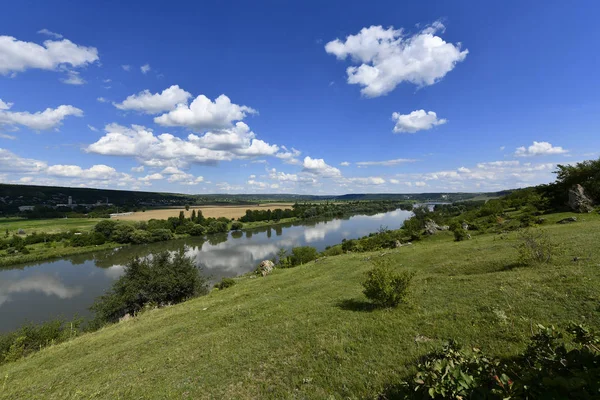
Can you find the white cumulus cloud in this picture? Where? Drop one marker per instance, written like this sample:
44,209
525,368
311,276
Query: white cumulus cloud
18,56
203,114
386,163
418,120
42,120
155,103
317,166
539,149
388,57
144,68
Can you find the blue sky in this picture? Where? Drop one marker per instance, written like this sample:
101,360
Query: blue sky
296,97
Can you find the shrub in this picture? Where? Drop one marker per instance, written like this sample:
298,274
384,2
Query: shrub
550,368
384,287
534,247
31,337
236,226
460,233
303,254
197,230
122,233
160,235
141,237
225,283
160,279
106,227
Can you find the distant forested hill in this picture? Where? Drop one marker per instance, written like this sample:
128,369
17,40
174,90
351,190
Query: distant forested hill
13,196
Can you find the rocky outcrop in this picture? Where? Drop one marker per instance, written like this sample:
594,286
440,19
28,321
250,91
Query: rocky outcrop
431,227
125,318
266,267
579,201
465,226
398,244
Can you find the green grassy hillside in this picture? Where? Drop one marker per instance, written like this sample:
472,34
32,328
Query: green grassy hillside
308,332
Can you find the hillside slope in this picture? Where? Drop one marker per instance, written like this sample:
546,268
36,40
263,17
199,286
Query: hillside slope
307,332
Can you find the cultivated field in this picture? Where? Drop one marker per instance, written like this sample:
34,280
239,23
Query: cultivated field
53,225
207,211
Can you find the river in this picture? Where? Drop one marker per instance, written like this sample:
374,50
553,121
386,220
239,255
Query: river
66,287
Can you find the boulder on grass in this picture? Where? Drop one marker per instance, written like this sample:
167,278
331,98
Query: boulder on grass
567,220
266,267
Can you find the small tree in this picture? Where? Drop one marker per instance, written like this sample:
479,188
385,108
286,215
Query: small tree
384,287
460,233
187,207
181,217
193,217
160,279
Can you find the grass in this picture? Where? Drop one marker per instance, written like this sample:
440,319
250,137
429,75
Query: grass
308,332
46,225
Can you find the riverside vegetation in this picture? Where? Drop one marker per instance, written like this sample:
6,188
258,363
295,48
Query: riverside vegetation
369,318
97,234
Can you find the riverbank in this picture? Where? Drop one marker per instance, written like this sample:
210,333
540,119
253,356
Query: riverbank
309,332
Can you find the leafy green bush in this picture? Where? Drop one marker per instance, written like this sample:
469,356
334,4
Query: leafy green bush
236,226
160,235
106,227
225,283
197,230
460,233
384,287
160,279
552,367
535,247
303,254
122,233
31,338
141,237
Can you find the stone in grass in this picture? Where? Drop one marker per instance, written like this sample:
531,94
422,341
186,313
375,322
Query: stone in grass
266,267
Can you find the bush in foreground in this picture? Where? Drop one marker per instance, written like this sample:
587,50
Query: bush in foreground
160,279
554,366
384,287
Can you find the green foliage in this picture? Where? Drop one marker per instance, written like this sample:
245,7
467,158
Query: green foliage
460,233
236,226
586,173
225,283
535,247
384,287
302,255
160,235
197,230
552,367
160,279
31,338
122,233
106,227
139,236
413,227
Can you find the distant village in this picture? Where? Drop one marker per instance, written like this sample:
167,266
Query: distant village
70,204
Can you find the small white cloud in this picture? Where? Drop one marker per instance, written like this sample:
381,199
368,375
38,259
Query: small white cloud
539,149
152,177
345,164
73,78
102,100
126,67
502,148
5,106
386,163
417,120
155,103
317,166
145,68
137,169
42,120
18,56
50,33
371,180
7,136
92,128
420,184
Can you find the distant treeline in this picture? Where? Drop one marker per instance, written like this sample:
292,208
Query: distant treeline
13,196
325,210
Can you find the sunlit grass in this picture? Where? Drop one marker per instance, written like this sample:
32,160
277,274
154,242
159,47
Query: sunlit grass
307,332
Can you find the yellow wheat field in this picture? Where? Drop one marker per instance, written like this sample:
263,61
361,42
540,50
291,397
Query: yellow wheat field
207,211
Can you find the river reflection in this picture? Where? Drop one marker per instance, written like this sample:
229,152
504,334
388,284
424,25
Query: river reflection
67,287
